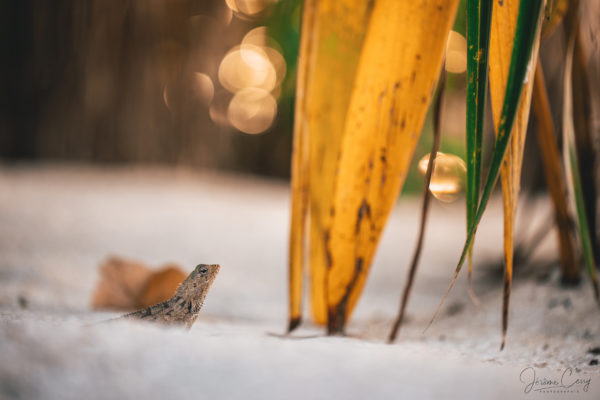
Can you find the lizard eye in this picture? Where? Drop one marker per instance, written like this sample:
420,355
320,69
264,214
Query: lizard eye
203,270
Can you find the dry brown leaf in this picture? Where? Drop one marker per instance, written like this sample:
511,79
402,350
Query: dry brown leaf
120,284
161,285
128,284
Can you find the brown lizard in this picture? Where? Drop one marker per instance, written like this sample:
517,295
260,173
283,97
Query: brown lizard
184,306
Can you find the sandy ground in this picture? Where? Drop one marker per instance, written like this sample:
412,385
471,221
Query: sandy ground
57,223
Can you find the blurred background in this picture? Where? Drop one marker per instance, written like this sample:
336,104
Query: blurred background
192,82
200,83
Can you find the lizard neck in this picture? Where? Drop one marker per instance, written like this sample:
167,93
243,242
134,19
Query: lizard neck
194,297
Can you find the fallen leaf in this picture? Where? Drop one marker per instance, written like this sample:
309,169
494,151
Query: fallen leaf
128,284
161,285
121,282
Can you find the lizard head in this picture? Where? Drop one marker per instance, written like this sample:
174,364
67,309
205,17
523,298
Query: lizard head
201,278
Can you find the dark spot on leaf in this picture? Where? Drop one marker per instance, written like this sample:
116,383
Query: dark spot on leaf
336,320
358,266
327,250
370,6
363,210
413,76
594,361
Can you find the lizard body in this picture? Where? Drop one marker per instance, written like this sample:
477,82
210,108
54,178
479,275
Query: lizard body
184,306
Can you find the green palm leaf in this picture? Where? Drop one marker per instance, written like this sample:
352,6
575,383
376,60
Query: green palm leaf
527,23
479,21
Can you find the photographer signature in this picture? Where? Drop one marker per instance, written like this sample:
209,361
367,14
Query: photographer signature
566,383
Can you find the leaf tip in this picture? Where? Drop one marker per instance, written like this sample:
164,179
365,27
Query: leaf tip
443,299
294,323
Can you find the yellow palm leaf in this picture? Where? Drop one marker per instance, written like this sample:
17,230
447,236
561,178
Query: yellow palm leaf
340,28
332,36
504,19
397,72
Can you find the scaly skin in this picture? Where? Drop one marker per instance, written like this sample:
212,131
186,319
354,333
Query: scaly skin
184,306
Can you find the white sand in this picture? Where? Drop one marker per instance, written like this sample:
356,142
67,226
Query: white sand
58,223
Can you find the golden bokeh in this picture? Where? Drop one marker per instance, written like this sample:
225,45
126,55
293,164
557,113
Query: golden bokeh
278,63
218,108
232,4
203,88
253,72
258,37
252,110
247,66
456,53
248,7
448,178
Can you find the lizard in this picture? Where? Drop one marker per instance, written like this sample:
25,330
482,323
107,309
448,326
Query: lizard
184,306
